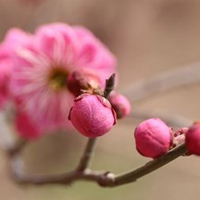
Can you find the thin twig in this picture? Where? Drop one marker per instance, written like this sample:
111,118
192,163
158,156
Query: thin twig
19,145
149,167
8,143
87,155
162,82
64,178
105,179
171,119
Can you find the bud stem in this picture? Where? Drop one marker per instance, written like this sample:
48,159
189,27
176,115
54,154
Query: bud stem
89,149
87,155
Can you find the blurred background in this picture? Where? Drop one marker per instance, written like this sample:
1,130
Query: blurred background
148,37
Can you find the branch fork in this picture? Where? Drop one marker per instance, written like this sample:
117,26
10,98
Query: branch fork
83,171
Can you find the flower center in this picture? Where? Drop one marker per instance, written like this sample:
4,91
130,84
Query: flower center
58,79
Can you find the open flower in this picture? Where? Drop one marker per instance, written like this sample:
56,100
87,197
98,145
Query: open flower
13,40
43,63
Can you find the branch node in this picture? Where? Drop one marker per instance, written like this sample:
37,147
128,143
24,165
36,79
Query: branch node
106,179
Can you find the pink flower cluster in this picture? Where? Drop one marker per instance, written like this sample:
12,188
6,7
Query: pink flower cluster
36,73
154,138
61,71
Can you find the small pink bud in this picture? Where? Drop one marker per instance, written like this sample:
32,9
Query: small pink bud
192,139
181,131
153,138
179,136
82,80
120,104
92,115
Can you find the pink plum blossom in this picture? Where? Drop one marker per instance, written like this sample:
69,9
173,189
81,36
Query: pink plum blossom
26,128
120,104
179,136
42,63
153,138
92,115
13,39
192,139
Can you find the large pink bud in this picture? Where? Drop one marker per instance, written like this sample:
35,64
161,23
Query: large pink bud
120,104
192,139
153,138
92,115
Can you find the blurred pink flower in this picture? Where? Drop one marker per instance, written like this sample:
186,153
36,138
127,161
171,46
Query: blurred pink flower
5,68
43,61
13,38
3,87
25,126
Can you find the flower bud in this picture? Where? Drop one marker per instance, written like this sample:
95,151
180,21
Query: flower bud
179,136
120,104
92,115
192,139
82,80
153,138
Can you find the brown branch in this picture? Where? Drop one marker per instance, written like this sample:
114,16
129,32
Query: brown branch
162,82
20,176
105,179
9,144
87,155
149,167
7,141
